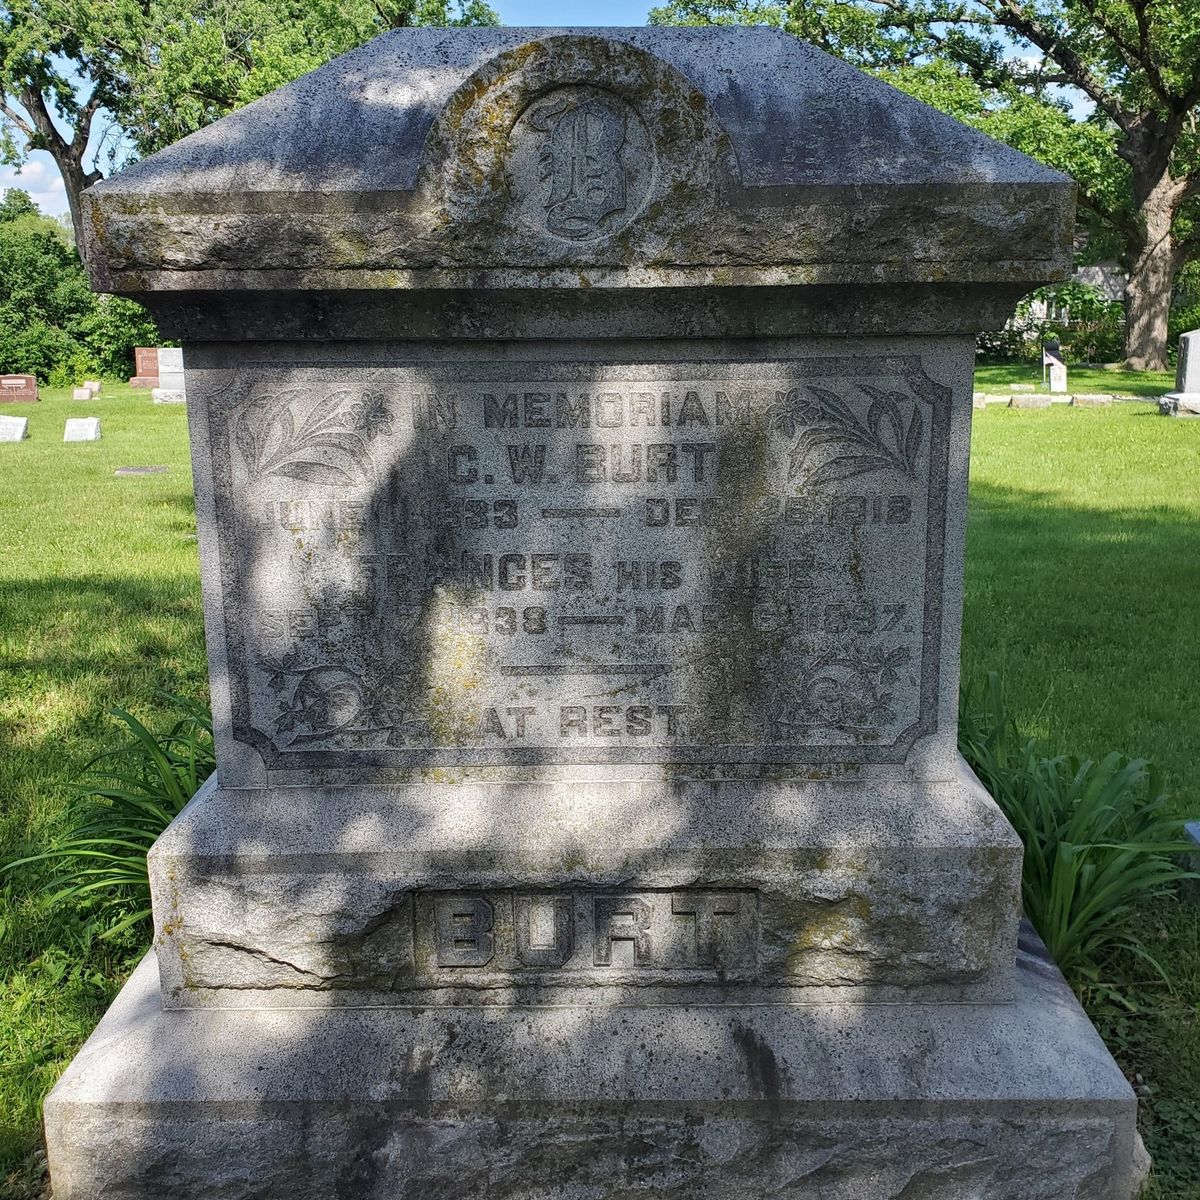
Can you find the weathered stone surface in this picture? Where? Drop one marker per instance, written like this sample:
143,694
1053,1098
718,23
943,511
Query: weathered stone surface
82,429
844,1102
1091,399
883,190
18,387
1031,400
483,562
163,395
81,393
727,891
580,431
13,429
141,470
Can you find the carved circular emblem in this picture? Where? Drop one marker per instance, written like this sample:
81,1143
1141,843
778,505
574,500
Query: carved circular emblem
580,163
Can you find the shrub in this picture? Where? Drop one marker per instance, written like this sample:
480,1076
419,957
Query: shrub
128,797
1098,836
51,324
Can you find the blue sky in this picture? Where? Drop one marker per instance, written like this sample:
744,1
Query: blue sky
40,178
573,12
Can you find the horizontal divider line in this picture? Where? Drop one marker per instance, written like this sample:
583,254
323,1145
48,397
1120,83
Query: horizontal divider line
567,513
593,669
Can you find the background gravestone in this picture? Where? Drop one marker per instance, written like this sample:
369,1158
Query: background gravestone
1185,399
171,388
82,429
581,470
13,429
145,366
18,387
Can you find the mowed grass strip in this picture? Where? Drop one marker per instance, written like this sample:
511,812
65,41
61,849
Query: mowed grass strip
99,606
1111,380
1083,566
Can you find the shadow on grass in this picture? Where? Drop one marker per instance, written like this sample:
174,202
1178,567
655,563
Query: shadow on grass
75,648
1087,613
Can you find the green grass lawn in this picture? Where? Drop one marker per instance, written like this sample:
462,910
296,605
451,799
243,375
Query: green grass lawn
1083,572
1150,384
99,605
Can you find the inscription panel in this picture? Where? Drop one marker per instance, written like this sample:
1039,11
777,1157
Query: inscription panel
714,562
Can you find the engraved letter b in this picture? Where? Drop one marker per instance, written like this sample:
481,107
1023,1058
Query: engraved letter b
463,929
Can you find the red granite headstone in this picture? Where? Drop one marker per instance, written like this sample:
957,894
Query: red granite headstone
145,362
18,387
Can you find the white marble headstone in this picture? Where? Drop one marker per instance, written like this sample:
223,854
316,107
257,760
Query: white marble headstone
82,429
170,369
13,429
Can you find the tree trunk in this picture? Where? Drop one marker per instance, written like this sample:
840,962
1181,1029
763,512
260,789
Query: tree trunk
75,179
67,155
1153,265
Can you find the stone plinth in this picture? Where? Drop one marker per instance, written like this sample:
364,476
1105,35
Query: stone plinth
1032,400
745,892
842,1102
581,482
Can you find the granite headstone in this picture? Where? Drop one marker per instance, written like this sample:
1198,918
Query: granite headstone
1185,399
18,387
145,365
580,426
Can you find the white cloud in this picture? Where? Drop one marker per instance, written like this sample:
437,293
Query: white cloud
39,177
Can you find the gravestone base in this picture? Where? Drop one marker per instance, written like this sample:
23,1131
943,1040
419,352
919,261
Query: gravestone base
818,890
840,1102
165,395
1180,404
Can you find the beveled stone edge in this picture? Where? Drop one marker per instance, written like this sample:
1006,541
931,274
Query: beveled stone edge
344,313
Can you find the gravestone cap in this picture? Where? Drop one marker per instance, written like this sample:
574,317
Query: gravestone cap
569,160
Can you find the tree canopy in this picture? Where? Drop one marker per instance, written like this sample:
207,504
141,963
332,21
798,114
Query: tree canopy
1106,90
132,76
51,323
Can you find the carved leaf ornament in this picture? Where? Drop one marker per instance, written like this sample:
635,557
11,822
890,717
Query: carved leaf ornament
330,445
830,442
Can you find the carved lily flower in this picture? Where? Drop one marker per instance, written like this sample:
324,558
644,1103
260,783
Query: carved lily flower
791,410
372,415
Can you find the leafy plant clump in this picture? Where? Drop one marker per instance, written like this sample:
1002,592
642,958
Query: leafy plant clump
1099,837
127,798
